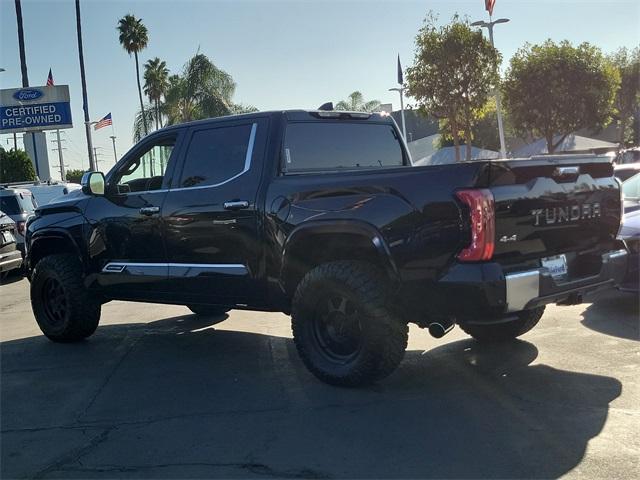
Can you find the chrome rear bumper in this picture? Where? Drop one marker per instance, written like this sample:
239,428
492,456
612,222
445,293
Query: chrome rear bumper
537,287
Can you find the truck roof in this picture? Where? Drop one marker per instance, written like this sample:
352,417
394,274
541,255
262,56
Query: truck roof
297,115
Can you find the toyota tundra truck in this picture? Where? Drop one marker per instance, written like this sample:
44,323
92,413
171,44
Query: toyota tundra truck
321,215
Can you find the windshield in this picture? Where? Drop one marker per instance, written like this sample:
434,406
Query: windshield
631,188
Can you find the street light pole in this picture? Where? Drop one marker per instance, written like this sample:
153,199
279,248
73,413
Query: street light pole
62,172
85,101
400,90
489,26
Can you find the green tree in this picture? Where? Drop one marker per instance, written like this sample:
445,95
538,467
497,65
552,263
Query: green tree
74,175
356,103
485,131
156,82
454,71
627,100
554,89
133,37
15,166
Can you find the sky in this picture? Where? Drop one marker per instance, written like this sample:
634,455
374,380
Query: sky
281,54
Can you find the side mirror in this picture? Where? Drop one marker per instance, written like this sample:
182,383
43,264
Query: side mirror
93,183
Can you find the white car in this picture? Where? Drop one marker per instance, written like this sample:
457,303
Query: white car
44,192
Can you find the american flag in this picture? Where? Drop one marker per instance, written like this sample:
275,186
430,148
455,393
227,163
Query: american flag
488,5
103,122
50,79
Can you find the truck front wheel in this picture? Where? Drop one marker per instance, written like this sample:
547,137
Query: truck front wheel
64,309
344,326
208,310
501,332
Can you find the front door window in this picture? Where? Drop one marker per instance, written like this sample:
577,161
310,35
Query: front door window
146,172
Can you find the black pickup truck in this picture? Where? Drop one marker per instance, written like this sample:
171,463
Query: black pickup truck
321,215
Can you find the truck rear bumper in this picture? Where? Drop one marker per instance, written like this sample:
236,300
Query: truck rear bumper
482,292
533,288
10,261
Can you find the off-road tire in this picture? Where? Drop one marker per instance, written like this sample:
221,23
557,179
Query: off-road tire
208,310
381,334
80,314
503,332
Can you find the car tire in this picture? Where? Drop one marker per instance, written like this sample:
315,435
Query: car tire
502,332
208,310
64,309
344,327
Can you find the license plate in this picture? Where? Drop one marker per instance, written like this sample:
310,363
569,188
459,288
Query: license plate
556,265
7,237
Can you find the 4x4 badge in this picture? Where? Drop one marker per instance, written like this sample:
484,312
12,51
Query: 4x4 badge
505,239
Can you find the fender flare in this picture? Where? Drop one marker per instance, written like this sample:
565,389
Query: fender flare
51,232
352,227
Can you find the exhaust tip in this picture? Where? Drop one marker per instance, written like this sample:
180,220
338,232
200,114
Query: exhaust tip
437,330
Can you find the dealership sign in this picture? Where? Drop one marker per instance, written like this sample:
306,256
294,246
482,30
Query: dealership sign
35,108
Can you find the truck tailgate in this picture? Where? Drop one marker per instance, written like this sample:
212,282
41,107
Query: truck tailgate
555,206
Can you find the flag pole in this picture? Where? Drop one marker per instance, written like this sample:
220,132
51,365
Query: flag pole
113,140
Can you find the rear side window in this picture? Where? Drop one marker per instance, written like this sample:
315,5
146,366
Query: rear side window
334,145
217,155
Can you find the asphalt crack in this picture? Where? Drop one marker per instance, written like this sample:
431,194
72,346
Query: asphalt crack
74,455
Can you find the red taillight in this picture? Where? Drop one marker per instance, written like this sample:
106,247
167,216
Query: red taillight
20,226
483,224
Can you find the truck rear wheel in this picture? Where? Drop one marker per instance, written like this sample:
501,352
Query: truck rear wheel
64,309
343,325
501,332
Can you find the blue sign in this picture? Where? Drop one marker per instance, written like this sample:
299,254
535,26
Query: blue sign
46,115
27,94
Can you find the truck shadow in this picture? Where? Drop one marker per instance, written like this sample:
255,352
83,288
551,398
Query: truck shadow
180,398
614,313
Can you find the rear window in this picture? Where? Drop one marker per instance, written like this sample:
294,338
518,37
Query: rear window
335,145
18,203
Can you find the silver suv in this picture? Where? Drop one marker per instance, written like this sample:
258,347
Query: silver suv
18,204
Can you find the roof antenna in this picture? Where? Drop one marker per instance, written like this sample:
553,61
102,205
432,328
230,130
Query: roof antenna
326,107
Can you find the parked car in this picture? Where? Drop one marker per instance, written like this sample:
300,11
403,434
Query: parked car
10,256
630,232
320,214
19,204
45,192
626,171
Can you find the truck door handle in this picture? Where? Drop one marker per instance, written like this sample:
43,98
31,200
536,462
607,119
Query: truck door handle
149,210
236,205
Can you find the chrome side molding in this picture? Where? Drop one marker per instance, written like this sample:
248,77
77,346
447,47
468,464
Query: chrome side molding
175,269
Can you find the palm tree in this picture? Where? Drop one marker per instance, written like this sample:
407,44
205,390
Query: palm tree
156,82
23,58
356,103
134,38
201,91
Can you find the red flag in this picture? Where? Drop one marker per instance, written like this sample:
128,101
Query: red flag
50,79
488,5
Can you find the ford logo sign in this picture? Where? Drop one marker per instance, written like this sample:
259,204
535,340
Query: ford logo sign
27,94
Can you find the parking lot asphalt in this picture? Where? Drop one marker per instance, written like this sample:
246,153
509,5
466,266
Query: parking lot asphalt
159,392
